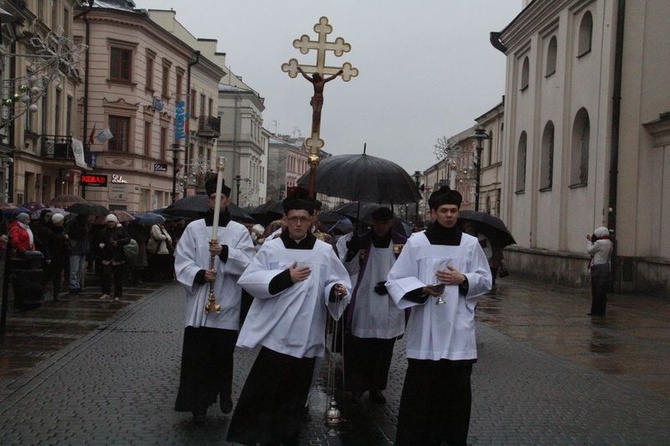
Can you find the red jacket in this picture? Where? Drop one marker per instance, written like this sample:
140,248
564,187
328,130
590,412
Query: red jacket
18,236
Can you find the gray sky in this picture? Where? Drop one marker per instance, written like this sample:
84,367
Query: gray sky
426,67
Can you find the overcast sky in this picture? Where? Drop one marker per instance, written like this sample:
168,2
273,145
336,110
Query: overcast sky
426,67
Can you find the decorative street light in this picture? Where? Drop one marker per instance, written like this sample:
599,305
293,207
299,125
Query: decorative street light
417,180
237,184
175,149
480,135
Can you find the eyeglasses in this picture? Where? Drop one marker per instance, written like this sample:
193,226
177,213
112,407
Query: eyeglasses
298,219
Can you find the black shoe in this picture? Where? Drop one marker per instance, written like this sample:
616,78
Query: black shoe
376,396
226,404
199,417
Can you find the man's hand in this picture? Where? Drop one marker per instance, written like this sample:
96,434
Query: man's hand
433,290
449,276
214,248
380,288
299,274
338,292
210,275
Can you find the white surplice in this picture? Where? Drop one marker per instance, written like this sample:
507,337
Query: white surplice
444,331
375,316
293,321
192,255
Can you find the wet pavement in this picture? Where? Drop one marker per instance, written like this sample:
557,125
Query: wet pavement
82,371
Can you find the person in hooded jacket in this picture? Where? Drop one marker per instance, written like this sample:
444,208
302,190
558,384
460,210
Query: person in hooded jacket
110,249
56,253
21,236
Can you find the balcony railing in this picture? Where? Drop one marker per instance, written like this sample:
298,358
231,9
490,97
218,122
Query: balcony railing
57,147
209,126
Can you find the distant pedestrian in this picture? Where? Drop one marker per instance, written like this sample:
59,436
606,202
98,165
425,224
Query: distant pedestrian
112,256
77,231
600,250
449,265
57,254
21,236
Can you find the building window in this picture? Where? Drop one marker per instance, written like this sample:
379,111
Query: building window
552,50
203,100
66,22
579,159
547,157
192,104
163,147
525,74
490,148
178,88
121,66
58,105
147,139
585,34
68,115
165,87
120,128
521,164
151,59
210,107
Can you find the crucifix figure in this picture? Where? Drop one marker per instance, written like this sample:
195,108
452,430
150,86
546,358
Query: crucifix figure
317,100
319,74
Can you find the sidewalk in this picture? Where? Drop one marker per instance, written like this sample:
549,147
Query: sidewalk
546,374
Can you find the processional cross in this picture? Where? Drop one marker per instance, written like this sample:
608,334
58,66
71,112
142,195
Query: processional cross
318,75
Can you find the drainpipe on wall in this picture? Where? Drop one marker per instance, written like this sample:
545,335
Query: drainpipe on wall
191,63
87,145
616,116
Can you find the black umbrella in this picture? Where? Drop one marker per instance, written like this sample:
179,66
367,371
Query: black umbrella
365,178
63,201
148,218
363,212
196,206
87,208
268,212
492,227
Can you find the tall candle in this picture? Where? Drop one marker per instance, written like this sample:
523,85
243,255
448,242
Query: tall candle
217,205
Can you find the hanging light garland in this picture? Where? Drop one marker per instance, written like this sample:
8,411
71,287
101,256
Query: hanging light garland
53,56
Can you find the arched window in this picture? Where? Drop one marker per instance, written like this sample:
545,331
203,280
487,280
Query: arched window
579,155
585,34
490,149
521,163
525,73
552,50
547,157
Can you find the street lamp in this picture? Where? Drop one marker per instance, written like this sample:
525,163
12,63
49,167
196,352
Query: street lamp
480,135
175,149
237,183
417,180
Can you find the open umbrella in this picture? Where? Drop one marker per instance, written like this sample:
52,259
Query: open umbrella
63,201
492,227
123,216
33,206
362,211
196,206
35,215
365,178
148,218
268,212
87,208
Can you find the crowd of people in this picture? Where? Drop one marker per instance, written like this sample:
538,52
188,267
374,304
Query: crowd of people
73,245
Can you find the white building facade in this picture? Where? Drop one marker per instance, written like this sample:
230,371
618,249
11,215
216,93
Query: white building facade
586,138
